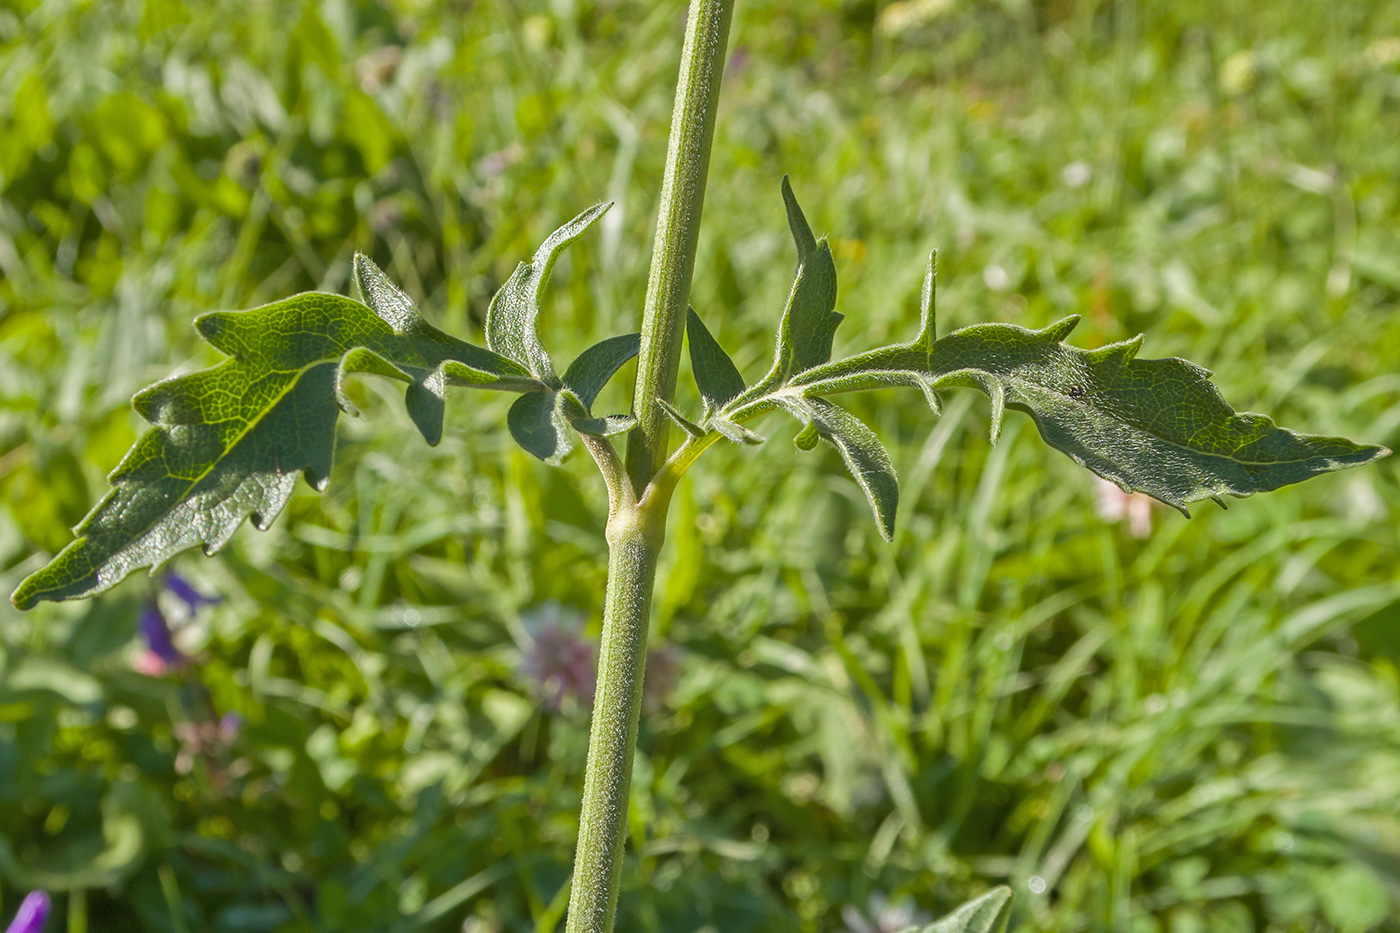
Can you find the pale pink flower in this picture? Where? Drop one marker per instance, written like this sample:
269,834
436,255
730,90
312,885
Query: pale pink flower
1134,509
558,659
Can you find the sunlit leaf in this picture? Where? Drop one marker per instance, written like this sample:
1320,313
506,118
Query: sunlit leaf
228,443
986,914
684,423
809,320
862,451
808,324
510,320
1150,425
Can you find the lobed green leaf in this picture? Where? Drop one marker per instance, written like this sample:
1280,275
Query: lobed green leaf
1156,426
228,443
809,321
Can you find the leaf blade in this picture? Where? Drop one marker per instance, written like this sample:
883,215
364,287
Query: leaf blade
718,379
511,318
865,457
810,320
592,368
228,443
1157,426
538,425
986,914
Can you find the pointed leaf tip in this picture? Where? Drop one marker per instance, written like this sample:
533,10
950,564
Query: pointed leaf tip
684,423
715,374
797,223
382,296
1058,331
511,318
865,457
927,294
986,914
228,443
809,321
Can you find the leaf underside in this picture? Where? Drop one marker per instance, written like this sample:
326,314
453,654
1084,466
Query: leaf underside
1156,426
228,443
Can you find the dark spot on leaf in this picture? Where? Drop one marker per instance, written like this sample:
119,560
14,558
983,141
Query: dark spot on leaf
1076,391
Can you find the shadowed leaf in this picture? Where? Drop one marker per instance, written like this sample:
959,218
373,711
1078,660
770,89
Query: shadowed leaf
538,425
540,419
592,368
228,443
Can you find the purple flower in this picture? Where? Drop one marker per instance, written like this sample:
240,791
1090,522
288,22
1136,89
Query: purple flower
33,912
161,655
558,659
229,726
180,588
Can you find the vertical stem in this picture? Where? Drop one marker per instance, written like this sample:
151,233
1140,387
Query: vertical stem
634,540
637,521
677,233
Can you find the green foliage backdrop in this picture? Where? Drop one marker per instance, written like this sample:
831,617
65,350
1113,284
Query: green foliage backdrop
1193,729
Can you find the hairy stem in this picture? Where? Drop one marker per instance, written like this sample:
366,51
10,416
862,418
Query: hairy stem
634,540
635,529
677,233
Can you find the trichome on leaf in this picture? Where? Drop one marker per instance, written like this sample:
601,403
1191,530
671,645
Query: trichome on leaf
228,443
1156,426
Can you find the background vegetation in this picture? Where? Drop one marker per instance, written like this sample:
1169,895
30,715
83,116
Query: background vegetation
1193,729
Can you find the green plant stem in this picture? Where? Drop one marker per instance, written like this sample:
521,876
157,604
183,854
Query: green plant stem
677,233
634,540
636,528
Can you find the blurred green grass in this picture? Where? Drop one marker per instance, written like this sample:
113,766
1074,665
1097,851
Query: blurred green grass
1197,730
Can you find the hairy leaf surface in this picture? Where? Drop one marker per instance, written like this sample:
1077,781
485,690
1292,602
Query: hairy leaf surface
809,321
1150,425
228,443
986,914
540,420
861,450
511,318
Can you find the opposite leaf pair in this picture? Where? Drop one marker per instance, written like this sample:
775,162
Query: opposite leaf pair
228,442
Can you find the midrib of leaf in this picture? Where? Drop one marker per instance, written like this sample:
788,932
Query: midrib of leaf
250,424
1111,413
